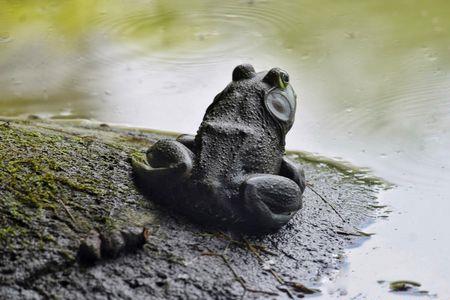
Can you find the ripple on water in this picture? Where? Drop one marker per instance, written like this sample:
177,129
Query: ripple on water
212,35
413,97
133,22
410,111
5,38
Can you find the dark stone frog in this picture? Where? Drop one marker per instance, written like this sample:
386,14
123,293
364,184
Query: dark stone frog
233,173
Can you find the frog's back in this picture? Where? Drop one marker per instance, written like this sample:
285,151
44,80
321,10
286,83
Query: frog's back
237,137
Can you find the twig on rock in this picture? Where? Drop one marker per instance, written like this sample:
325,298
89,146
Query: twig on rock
261,260
67,210
326,202
236,275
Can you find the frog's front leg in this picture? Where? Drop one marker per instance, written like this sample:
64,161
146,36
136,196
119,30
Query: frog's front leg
168,162
294,171
270,200
187,140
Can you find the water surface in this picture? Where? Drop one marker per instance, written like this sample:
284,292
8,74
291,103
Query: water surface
373,79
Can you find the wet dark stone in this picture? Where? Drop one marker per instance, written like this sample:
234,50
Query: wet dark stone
45,248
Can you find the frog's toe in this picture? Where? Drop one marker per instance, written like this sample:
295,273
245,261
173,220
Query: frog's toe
271,200
145,173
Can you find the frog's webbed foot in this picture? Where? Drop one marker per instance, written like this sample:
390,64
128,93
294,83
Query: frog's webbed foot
168,162
293,171
271,200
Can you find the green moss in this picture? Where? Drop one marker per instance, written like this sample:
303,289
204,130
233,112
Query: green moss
142,141
107,221
69,256
31,176
87,185
57,182
6,232
39,178
361,174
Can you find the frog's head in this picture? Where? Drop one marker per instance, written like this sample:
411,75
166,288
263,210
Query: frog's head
279,98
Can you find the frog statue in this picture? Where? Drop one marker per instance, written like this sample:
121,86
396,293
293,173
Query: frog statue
233,173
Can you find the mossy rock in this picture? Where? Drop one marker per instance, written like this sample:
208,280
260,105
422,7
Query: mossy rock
59,180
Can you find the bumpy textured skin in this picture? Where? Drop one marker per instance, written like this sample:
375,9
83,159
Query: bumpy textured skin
233,173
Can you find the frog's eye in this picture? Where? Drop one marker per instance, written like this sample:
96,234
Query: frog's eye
283,80
244,71
279,106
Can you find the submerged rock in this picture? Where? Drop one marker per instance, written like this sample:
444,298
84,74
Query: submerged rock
67,187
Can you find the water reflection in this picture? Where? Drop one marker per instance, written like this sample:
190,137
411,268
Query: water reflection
372,76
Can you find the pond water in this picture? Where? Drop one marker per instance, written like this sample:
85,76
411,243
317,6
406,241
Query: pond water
372,77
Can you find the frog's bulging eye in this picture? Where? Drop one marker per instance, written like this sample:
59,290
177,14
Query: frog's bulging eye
279,106
285,77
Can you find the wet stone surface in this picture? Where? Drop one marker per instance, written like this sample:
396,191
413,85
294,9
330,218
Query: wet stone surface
60,181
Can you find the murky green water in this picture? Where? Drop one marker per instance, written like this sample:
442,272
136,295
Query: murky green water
373,79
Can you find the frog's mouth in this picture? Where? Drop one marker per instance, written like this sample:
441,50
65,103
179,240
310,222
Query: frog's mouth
281,104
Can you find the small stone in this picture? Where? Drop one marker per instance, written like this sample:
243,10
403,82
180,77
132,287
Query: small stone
299,287
34,117
183,277
403,285
112,244
90,248
135,237
161,275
